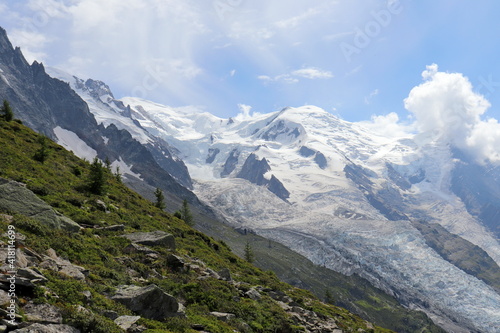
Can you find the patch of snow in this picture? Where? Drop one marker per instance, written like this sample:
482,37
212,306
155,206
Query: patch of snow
72,142
124,169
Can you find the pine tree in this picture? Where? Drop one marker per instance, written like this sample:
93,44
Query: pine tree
107,163
8,114
160,199
248,255
118,175
186,213
43,152
329,297
97,177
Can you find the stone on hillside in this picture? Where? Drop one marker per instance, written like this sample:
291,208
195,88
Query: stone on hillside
126,322
150,302
57,264
253,294
4,298
21,260
110,314
154,238
116,227
222,316
26,277
51,328
15,197
175,262
43,313
225,274
136,248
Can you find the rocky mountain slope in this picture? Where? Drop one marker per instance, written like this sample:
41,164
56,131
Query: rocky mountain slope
118,263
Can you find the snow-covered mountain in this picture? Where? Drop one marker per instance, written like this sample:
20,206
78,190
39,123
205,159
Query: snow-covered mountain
339,194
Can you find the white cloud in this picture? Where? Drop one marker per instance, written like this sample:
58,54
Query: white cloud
31,44
312,73
388,125
446,106
245,112
294,76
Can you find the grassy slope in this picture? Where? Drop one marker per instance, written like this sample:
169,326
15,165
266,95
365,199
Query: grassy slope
60,181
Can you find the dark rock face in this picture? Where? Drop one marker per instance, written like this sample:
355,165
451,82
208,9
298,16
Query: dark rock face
254,169
380,200
278,129
306,152
278,188
212,154
150,302
231,163
397,178
320,160
121,144
479,188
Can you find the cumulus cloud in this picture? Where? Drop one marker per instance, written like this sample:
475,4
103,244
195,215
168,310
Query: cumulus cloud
245,112
446,106
389,126
31,42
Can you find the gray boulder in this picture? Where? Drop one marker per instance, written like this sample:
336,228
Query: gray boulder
150,302
15,197
126,322
222,316
136,248
43,313
51,328
57,264
154,238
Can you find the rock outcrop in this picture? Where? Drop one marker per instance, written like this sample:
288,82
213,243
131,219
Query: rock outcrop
150,302
154,238
15,197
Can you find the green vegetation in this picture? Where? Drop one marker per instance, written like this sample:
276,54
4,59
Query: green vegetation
6,111
43,152
248,255
160,199
185,213
90,195
97,177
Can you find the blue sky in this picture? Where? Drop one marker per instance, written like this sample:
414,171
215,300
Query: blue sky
353,58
